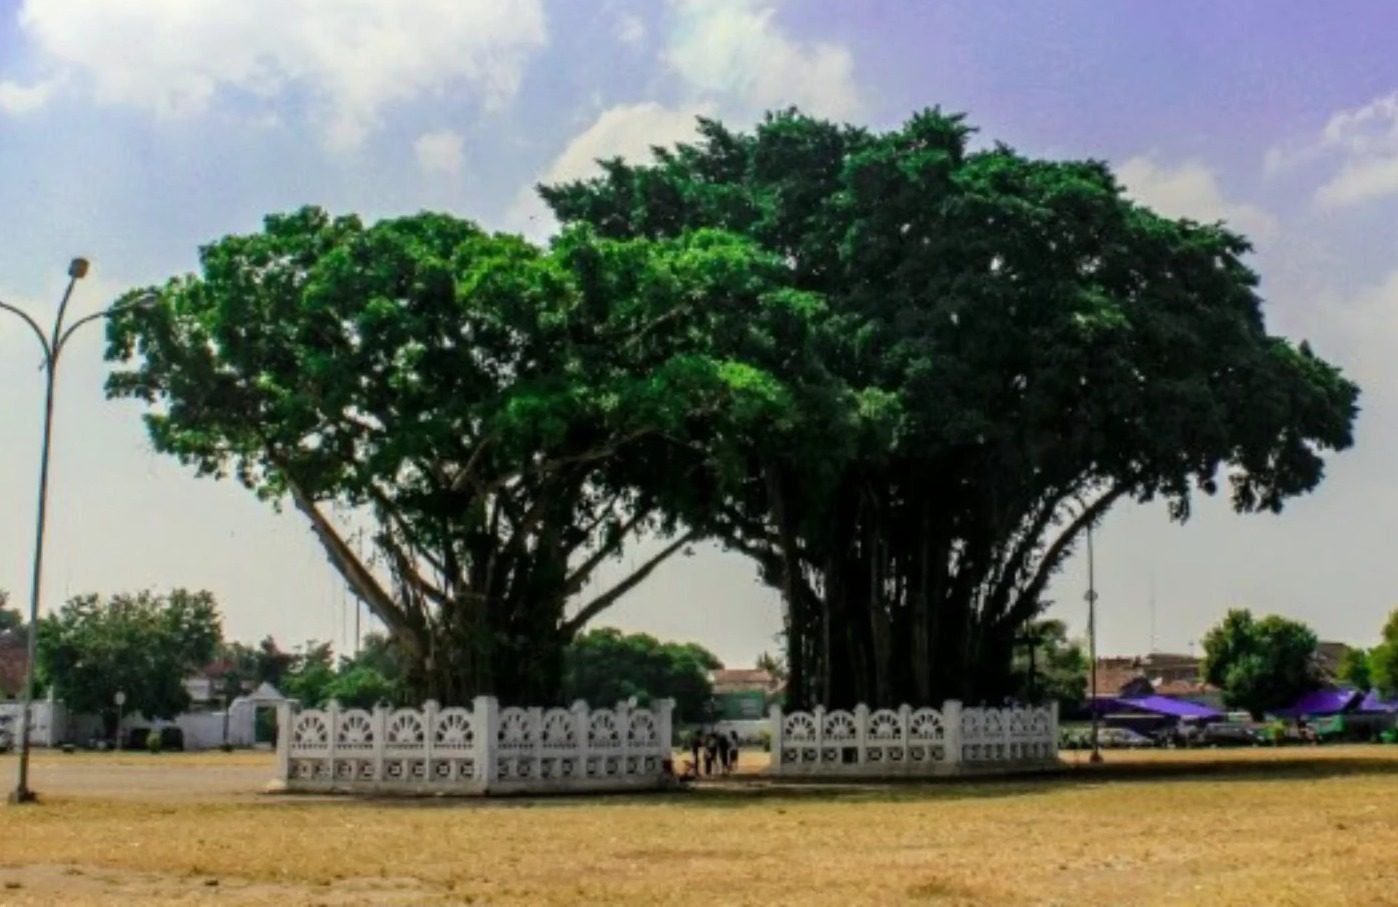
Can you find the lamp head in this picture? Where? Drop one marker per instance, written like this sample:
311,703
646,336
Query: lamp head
77,268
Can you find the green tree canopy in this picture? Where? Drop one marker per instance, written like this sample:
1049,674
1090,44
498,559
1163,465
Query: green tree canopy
1383,659
996,349
144,645
11,620
1354,669
605,666
1260,665
1049,667
482,406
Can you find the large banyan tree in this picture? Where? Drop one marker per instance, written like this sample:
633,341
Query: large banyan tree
500,419
999,349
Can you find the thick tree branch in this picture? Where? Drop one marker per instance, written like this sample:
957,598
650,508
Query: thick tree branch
351,568
578,577
606,599
1028,596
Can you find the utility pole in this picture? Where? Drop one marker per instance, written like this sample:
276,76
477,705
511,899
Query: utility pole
1092,642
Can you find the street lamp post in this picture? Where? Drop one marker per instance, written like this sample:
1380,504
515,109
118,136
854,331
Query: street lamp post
53,345
120,700
1092,643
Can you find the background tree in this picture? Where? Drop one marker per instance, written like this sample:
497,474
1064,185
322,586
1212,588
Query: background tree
144,645
1383,660
478,404
774,665
251,666
1354,669
13,658
311,674
606,666
11,620
994,351
1049,667
1260,665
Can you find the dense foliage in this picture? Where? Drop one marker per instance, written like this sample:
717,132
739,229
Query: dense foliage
1263,664
998,349
488,408
605,666
11,620
902,374
143,645
1049,667
1383,659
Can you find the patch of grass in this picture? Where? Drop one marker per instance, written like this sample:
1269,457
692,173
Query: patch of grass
1290,826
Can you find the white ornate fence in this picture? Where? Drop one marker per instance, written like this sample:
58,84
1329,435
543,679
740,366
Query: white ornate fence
909,741
476,750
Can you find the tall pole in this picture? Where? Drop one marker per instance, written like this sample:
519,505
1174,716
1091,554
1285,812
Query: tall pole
52,349
53,346
1092,642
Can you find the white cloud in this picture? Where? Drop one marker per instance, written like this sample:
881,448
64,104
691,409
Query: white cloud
349,60
733,61
20,99
733,49
630,29
628,131
1361,143
1360,181
1191,190
441,152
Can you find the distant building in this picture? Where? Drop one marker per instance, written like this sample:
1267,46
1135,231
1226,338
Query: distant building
744,694
1166,674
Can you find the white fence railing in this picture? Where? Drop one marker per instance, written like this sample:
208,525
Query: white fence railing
481,749
908,741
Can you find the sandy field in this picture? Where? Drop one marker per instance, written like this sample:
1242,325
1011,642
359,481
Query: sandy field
1305,826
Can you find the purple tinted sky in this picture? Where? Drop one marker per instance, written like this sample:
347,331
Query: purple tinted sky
134,131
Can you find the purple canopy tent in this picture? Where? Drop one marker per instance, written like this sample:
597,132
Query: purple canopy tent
1372,703
1155,705
1321,702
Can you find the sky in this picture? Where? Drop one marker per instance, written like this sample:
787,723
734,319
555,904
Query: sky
133,132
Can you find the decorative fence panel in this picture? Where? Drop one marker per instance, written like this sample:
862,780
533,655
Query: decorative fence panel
909,741
477,750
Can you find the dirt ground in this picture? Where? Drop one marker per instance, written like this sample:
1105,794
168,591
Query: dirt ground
1290,826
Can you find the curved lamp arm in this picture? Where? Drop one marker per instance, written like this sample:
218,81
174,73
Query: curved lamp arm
38,331
139,302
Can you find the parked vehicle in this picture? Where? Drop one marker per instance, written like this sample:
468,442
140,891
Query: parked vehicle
1226,733
1123,738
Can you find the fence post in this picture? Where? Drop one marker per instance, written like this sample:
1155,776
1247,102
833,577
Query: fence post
429,740
774,716
1007,733
380,740
580,724
665,736
623,716
861,734
536,728
951,731
284,732
905,725
1051,752
819,713
486,724
332,715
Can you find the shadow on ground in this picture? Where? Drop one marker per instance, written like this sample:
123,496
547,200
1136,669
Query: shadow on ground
753,789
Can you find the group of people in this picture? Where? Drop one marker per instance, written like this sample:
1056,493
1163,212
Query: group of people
714,750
